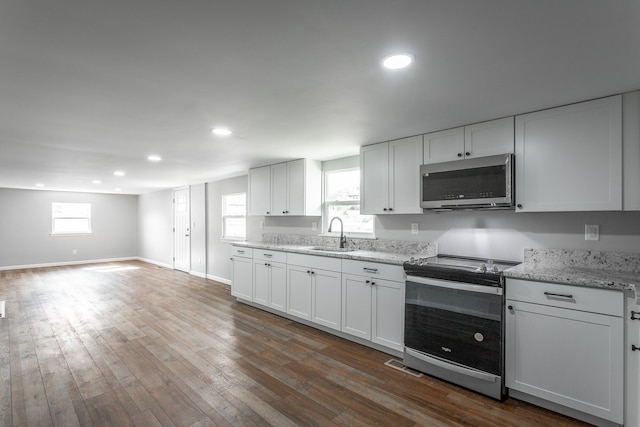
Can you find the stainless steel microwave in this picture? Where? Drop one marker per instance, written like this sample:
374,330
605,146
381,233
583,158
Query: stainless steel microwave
476,183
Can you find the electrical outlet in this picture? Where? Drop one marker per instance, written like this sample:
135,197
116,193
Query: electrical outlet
591,232
414,228
261,224
314,226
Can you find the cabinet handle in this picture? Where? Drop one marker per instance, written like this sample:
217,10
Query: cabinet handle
373,283
510,307
231,259
268,255
268,212
459,154
370,270
390,209
240,252
635,347
551,294
635,315
467,153
367,281
384,209
284,212
519,205
308,271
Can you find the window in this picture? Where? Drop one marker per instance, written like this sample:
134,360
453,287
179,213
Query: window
342,200
71,218
234,216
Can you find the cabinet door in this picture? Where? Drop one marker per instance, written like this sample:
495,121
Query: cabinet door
374,179
569,357
632,362
327,296
296,187
299,291
570,158
444,146
261,282
279,189
278,286
260,191
489,138
242,283
405,158
387,326
356,306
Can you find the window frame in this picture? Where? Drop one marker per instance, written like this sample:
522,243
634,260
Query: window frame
85,232
224,235
326,204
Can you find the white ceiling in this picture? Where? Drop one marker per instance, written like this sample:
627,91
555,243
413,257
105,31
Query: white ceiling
89,87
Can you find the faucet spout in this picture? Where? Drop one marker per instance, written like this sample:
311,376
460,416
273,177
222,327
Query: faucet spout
343,239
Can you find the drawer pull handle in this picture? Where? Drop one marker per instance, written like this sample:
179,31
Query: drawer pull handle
268,255
370,270
240,252
635,347
551,294
635,315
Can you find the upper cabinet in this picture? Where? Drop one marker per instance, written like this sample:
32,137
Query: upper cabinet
631,150
390,177
477,140
570,158
290,188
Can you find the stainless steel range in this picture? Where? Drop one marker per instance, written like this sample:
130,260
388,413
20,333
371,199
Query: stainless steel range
454,309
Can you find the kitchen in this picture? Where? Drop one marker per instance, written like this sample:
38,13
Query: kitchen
145,219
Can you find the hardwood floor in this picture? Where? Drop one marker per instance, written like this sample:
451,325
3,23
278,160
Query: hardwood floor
131,343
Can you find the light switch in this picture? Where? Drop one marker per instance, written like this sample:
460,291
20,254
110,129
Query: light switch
414,228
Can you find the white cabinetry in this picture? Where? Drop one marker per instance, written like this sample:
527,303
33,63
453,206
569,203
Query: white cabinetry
390,174
631,150
564,348
314,289
477,140
373,302
270,280
570,158
632,363
260,191
242,281
290,188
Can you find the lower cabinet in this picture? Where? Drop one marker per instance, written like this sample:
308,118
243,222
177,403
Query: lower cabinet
270,284
564,345
242,282
632,362
373,307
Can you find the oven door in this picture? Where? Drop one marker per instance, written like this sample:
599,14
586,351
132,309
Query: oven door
455,322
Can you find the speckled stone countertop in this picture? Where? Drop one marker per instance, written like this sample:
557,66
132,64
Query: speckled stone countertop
608,270
394,252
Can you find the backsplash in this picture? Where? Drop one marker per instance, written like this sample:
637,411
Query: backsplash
405,247
563,258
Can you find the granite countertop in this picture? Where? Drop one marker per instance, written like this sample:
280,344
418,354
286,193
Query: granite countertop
357,254
606,270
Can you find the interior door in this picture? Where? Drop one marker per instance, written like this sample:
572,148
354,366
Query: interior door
181,230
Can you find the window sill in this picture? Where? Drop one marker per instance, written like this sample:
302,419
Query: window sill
232,240
69,234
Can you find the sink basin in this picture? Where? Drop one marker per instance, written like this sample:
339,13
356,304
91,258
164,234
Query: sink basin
331,249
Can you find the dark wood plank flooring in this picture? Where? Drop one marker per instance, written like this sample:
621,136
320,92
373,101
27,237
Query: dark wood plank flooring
133,344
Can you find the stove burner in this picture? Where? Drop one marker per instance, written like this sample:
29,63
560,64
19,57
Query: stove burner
465,269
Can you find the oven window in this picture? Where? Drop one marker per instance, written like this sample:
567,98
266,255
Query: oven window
478,183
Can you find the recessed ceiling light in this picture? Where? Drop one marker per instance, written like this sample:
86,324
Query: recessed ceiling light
221,131
154,158
96,181
39,185
119,173
397,61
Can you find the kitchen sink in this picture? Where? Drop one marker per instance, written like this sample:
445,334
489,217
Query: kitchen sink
331,249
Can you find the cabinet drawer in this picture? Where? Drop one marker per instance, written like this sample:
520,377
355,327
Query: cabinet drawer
266,255
593,300
325,263
373,269
242,251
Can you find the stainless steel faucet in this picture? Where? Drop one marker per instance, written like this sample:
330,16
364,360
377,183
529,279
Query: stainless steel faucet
343,239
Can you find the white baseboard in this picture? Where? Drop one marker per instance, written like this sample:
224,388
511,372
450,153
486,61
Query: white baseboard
158,263
219,279
198,274
2,310
59,264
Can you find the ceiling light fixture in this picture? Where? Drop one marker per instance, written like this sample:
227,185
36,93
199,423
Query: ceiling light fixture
397,61
154,158
119,173
221,131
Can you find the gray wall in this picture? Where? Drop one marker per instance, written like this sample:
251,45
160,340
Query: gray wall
25,228
218,250
155,216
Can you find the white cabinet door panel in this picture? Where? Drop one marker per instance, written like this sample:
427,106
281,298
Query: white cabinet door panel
569,357
405,158
327,296
299,292
242,282
489,138
278,189
278,286
388,314
260,282
295,187
444,146
374,172
260,191
570,158
356,306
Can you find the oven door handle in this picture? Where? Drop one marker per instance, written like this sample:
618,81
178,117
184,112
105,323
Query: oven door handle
455,285
450,367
